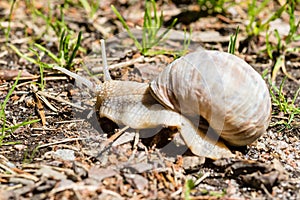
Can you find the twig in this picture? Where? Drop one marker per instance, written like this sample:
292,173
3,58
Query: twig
198,181
176,193
17,173
48,103
115,136
43,129
7,169
289,75
106,144
73,187
59,142
69,121
266,191
35,79
60,100
40,109
120,65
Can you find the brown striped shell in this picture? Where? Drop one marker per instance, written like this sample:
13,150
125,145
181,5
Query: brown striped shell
220,87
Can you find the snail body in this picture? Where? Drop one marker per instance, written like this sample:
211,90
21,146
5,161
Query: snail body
132,104
220,87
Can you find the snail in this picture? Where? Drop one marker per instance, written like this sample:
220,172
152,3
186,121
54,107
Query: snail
220,87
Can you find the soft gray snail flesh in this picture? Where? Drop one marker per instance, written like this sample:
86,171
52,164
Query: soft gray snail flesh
218,86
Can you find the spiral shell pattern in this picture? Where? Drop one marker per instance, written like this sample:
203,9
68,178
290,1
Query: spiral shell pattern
220,87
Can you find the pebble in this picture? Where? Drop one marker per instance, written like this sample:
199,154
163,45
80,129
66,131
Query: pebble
65,154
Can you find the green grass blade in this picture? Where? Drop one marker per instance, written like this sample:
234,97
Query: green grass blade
3,105
61,43
277,66
232,42
136,42
86,5
188,186
269,46
156,18
282,99
16,50
62,20
74,50
16,126
275,16
48,52
295,96
161,36
7,32
65,52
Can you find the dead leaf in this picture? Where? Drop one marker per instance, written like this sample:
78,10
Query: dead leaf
139,167
256,174
256,179
137,180
101,173
50,173
39,105
40,109
10,74
192,162
245,167
146,71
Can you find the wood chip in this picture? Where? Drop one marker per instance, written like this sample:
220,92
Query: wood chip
100,173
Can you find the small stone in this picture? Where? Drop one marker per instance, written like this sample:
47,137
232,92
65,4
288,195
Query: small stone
20,147
64,154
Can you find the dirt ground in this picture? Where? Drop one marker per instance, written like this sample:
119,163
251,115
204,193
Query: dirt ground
75,155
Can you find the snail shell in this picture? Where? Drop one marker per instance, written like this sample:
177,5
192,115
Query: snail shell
220,87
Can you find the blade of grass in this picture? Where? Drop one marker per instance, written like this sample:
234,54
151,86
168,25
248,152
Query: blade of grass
3,105
295,96
48,52
136,42
15,49
275,16
188,186
269,46
277,66
294,27
151,27
86,5
232,42
65,50
7,32
161,36
281,96
16,126
74,50
61,44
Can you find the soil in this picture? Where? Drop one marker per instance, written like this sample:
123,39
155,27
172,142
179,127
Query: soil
70,153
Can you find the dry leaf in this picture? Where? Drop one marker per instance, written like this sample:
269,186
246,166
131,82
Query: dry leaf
100,174
137,180
10,74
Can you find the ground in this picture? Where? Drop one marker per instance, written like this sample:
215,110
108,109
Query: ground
70,153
